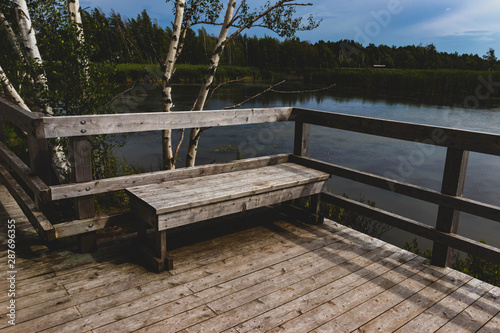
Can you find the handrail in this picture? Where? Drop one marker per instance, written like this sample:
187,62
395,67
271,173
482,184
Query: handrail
20,117
71,126
481,142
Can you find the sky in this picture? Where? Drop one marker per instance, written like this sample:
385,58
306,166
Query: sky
463,26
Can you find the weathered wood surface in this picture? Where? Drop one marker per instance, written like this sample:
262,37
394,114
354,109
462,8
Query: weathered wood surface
187,193
270,275
28,206
2,129
20,117
188,216
81,160
70,126
40,162
453,184
39,188
487,143
120,183
301,139
473,207
77,227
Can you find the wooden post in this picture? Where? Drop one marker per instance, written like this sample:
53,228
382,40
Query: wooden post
315,207
447,220
2,130
39,158
81,172
301,139
161,244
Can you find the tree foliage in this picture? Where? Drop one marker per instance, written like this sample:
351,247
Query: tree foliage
143,40
72,88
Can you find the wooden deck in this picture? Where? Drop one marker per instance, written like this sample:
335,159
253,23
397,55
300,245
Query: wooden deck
260,273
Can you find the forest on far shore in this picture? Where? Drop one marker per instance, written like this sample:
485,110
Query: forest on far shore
142,40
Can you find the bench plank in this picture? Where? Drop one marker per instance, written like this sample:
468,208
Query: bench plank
189,193
193,215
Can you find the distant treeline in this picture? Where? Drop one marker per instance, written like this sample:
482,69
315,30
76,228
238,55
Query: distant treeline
142,40
441,81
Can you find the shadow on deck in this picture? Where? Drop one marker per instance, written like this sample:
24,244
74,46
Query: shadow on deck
260,272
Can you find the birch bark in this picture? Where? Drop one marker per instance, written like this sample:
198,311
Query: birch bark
194,135
76,17
28,35
12,91
168,67
12,37
29,40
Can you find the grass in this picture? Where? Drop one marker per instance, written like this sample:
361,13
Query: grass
183,73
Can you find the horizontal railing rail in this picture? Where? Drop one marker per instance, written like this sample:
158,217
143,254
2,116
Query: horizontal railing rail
487,143
465,205
71,126
459,143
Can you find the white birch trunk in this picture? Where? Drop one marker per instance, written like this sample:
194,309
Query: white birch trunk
194,135
12,91
59,159
168,157
76,17
12,37
29,40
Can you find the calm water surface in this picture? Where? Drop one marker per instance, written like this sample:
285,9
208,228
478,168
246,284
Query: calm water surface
411,162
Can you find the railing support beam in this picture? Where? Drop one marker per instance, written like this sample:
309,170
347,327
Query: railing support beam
84,207
453,184
301,139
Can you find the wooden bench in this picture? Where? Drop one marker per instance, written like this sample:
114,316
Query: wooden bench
171,204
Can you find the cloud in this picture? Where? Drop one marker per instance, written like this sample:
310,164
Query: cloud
464,18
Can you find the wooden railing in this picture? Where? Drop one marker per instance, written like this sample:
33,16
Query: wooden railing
450,200
77,128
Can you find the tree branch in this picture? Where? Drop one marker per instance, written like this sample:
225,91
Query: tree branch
254,96
302,91
223,83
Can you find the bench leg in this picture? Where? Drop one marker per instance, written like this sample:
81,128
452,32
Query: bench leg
161,250
156,256
87,242
161,244
315,206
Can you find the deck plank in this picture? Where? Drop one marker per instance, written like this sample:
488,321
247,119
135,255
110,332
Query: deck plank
410,308
449,307
252,273
472,318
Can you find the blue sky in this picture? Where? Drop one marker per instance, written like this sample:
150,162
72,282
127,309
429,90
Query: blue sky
464,26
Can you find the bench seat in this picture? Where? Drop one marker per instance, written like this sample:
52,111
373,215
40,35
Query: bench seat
176,203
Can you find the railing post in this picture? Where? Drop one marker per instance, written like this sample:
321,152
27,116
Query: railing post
39,158
447,220
81,172
301,138
2,129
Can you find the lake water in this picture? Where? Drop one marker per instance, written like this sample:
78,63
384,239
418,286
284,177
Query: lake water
411,162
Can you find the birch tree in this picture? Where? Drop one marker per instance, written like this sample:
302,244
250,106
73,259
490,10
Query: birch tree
278,16
168,70
31,47
53,53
